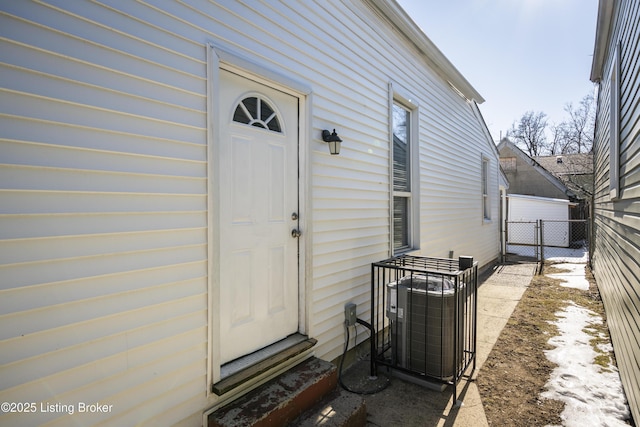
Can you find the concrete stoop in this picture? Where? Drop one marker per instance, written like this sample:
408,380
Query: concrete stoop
338,409
305,395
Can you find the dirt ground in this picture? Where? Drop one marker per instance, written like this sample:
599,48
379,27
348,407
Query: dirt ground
513,377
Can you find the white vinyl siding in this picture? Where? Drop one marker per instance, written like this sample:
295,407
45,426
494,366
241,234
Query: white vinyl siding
616,217
103,215
104,181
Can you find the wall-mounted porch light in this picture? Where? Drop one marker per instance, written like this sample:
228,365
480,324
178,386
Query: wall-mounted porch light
333,139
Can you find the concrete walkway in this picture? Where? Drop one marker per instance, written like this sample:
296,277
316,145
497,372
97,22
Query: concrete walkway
406,404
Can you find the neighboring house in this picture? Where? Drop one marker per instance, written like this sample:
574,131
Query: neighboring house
616,219
575,171
167,203
528,177
555,177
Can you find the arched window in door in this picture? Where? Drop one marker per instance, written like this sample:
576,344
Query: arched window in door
255,111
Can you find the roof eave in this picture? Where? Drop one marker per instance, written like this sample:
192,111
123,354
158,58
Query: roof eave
603,33
399,17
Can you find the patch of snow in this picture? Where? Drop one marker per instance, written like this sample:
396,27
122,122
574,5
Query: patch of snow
605,347
579,255
573,278
593,396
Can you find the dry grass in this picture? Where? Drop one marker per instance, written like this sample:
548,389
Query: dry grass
514,375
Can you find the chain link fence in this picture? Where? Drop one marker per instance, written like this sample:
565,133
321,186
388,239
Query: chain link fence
547,240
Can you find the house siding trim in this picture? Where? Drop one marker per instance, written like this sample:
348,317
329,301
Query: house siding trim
603,33
614,126
213,224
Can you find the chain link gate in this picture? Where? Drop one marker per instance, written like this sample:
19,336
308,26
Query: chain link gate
547,240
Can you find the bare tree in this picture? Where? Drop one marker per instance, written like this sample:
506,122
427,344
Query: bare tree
579,127
529,133
558,138
567,139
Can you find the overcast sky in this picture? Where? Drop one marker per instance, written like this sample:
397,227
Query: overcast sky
520,55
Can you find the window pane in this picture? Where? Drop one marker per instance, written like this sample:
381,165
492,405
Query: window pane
485,206
257,112
485,189
401,142
485,165
240,116
265,111
400,222
251,104
274,124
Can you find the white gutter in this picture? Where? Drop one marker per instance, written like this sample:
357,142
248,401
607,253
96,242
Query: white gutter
603,30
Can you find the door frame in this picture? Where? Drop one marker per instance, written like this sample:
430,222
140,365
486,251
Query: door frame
221,58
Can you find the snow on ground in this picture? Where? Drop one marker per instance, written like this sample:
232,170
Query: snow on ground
573,278
580,255
575,255
593,395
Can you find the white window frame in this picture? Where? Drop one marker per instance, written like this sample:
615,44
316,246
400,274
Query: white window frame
398,96
484,188
614,126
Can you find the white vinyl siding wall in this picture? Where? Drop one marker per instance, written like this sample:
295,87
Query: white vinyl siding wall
616,216
103,187
351,217
103,215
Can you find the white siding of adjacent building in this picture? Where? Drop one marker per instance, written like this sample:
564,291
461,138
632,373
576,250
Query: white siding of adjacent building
616,226
553,212
103,187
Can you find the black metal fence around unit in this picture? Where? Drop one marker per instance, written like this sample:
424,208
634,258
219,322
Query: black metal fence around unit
547,240
425,313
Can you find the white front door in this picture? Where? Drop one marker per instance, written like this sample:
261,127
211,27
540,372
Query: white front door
258,210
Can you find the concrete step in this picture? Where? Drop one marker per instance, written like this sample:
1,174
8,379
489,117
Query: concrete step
339,408
281,400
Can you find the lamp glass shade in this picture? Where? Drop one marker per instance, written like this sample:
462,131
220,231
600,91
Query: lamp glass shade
334,147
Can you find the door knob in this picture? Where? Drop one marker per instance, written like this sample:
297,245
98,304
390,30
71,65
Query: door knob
296,233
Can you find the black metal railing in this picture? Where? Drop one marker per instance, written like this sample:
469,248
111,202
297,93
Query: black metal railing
424,312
